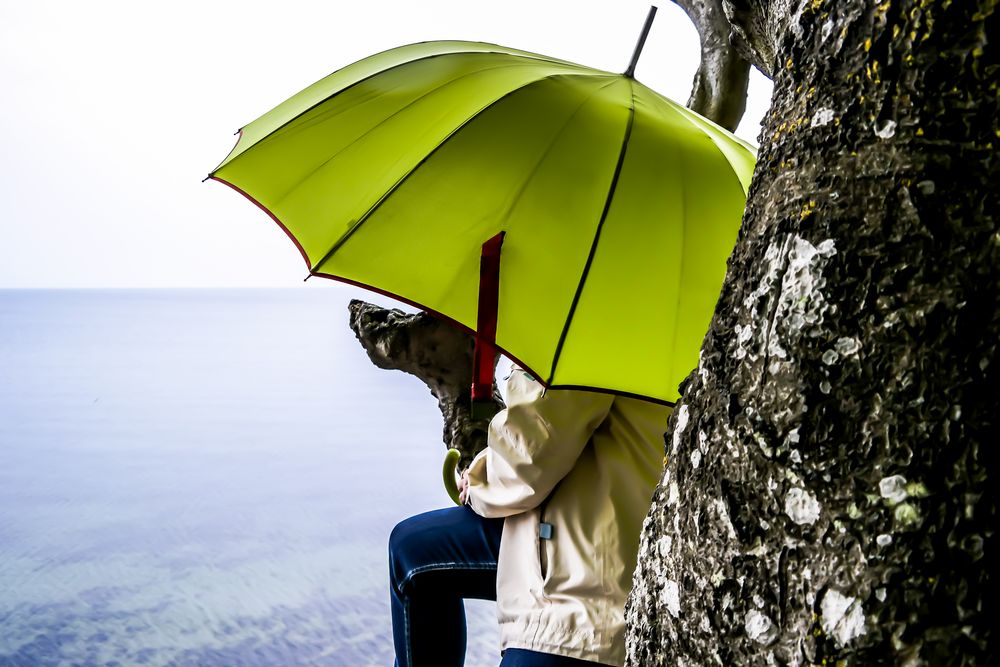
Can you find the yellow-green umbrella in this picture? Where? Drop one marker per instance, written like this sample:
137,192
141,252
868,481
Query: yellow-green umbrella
618,206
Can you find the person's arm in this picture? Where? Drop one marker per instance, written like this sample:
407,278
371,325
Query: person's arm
533,443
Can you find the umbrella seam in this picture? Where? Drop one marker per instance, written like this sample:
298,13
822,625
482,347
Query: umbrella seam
272,133
381,122
350,232
684,113
616,392
597,233
680,261
548,149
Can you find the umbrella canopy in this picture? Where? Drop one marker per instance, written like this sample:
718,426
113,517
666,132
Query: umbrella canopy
618,207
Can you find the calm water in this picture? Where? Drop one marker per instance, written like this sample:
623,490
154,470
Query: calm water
202,477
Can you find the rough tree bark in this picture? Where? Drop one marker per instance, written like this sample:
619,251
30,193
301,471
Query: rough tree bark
829,493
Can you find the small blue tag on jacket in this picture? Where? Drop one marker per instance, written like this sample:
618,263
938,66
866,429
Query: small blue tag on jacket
545,531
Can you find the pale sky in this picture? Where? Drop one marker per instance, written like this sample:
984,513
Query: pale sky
114,111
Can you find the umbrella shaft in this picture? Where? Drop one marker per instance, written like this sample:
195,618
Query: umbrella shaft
630,72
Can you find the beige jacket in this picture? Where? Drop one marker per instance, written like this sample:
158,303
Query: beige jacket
586,464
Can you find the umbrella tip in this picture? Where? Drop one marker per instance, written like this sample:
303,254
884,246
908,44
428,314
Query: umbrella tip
630,72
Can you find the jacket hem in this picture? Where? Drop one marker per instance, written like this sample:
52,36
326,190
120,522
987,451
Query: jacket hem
591,652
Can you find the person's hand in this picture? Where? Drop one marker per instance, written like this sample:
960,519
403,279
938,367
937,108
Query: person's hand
463,488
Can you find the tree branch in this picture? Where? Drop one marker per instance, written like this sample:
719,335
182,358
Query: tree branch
720,84
434,351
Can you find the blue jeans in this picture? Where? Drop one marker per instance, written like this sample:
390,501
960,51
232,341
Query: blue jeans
436,560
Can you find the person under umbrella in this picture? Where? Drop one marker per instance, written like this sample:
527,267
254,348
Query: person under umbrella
550,525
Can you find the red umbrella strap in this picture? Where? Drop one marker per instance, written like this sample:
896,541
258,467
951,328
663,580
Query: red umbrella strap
486,321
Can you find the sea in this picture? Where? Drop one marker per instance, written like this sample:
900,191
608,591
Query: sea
205,477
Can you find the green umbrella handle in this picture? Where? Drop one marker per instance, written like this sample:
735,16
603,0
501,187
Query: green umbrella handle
449,474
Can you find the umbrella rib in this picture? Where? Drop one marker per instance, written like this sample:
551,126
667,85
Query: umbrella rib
679,296
385,120
616,392
535,57
374,207
701,125
530,176
597,233
273,133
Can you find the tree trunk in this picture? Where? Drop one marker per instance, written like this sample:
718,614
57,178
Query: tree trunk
828,496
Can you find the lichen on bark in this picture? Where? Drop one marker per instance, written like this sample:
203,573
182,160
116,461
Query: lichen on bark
828,496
